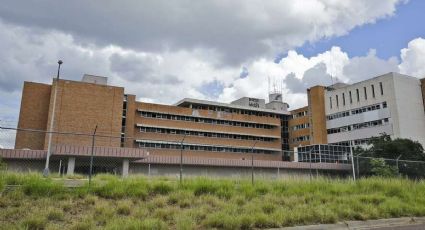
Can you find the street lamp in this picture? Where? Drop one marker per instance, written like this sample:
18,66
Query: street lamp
49,146
181,158
252,162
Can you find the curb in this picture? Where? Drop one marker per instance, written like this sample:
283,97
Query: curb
360,225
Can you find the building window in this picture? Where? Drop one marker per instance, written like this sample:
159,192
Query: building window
358,95
365,93
330,102
343,99
337,101
373,91
351,98
382,88
384,104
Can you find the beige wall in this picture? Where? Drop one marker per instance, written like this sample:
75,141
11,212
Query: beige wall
225,155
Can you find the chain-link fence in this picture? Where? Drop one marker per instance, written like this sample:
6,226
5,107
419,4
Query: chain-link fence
363,165
71,153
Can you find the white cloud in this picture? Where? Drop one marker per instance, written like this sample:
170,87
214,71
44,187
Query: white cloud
237,30
413,58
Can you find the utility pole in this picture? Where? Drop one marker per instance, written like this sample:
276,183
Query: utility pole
52,120
181,158
252,162
92,153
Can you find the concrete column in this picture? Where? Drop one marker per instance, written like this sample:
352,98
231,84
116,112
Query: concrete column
125,166
71,166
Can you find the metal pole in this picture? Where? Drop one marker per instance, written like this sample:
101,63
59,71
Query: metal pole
149,170
60,166
396,162
49,145
181,158
310,161
358,164
352,160
252,162
92,153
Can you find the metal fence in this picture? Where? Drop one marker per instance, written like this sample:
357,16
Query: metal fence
26,150
362,165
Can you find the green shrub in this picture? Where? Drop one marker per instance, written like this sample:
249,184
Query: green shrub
55,215
124,208
162,188
35,223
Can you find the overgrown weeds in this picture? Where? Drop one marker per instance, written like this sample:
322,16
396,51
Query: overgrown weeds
137,203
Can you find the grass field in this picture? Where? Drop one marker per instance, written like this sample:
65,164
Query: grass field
160,203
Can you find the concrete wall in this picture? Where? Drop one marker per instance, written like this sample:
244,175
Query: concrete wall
405,108
410,108
224,172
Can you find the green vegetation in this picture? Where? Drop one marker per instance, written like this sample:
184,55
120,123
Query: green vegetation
200,203
384,147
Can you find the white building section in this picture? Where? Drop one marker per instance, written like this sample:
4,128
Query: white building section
390,104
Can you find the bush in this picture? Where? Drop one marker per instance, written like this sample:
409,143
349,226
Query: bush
380,168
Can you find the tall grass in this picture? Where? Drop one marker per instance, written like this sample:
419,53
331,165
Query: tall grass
139,203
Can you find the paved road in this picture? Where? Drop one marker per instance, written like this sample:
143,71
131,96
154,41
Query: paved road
409,227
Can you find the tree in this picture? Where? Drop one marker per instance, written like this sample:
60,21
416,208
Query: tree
384,147
2,165
380,168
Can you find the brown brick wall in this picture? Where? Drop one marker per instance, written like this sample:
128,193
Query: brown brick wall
81,106
130,126
316,99
33,115
301,132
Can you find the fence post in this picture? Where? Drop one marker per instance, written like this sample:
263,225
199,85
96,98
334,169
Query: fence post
92,153
252,162
352,160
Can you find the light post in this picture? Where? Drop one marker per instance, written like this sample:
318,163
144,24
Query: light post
52,120
252,162
181,158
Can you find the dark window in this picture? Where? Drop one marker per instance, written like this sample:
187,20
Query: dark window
382,88
330,102
373,91
358,95
351,98
365,93
337,102
343,99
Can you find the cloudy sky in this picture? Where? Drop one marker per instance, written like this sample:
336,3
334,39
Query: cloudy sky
163,51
